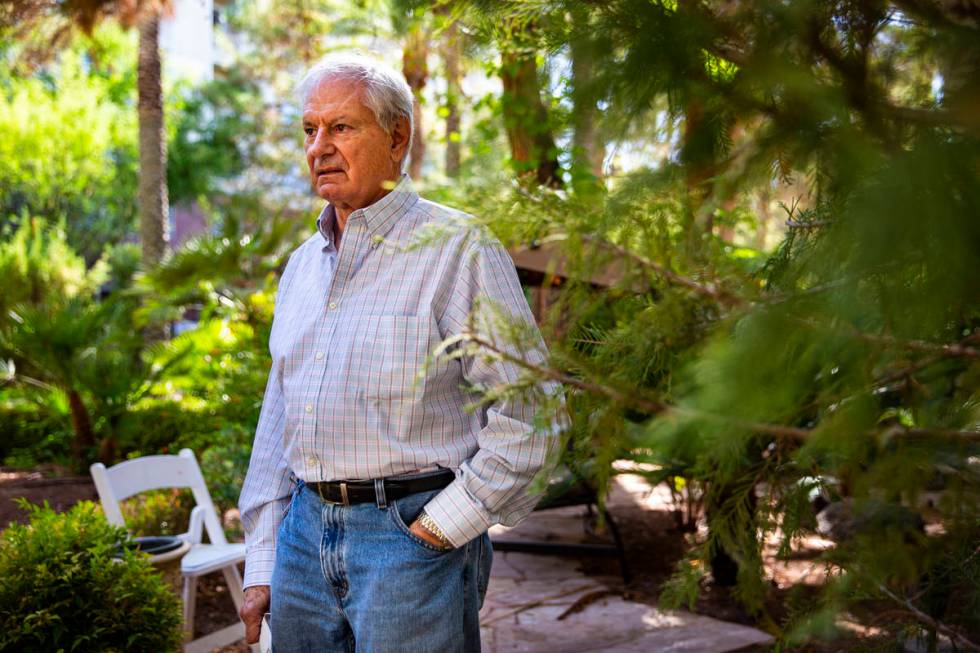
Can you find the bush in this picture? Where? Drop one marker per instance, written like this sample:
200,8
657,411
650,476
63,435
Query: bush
154,426
224,465
31,434
64,589
158,512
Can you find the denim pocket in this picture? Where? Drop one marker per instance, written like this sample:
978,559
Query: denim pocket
404,511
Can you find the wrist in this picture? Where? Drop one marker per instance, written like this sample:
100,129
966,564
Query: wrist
425,521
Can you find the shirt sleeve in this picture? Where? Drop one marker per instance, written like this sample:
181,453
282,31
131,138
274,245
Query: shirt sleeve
268,483
492,486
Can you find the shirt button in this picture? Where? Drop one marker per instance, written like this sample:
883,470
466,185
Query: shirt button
309,408
319,355
332,305
312,461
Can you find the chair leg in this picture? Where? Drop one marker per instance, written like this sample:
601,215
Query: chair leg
190,598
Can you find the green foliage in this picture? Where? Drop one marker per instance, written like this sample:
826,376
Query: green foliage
224,462
849,356
68,141
216,132
158,512
846,360
32,434
39,267
67,587
57,337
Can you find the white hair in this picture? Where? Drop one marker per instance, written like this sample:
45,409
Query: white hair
386,93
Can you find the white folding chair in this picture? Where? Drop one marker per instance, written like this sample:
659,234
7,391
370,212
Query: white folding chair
119,482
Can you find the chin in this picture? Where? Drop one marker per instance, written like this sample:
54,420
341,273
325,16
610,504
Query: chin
327,192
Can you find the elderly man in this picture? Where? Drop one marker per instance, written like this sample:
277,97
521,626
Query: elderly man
373,480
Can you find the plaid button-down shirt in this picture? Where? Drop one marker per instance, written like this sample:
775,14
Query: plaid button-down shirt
350,395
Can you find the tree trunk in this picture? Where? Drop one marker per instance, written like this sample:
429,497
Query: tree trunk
416,70
532,147
108,452
451,60
588,150
153,199
81,423
762,228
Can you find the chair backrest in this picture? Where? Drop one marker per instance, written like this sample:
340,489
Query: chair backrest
119,482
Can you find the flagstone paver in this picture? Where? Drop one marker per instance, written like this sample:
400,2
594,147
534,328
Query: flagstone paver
527,608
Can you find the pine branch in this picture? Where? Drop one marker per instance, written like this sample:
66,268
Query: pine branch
794,224
654,407
711,290
650,406
962,348
931,622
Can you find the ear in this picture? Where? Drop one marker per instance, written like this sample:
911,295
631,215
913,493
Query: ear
399,139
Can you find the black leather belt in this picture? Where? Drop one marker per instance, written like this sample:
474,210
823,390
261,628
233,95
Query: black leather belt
346,493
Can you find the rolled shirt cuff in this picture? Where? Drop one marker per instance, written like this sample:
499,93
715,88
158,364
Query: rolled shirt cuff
258,567
460,517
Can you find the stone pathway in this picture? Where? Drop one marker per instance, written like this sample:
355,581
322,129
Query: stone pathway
542,603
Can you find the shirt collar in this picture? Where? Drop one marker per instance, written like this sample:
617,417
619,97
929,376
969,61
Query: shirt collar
379,217
326,225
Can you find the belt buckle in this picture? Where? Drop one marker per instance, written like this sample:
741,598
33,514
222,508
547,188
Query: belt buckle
344,500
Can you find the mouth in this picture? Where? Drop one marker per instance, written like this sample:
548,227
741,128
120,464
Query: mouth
328,171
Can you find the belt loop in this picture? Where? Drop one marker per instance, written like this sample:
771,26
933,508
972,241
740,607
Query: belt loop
379,493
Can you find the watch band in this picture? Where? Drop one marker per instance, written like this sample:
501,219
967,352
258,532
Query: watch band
430,525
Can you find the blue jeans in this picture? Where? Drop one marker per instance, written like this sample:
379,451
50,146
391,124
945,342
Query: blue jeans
354,578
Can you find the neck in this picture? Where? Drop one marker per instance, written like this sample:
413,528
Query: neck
344,210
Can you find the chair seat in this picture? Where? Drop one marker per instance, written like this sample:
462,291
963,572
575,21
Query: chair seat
205,558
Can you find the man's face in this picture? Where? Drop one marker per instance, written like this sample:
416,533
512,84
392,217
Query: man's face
349,155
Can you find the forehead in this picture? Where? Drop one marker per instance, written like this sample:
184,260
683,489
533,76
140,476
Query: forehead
333,97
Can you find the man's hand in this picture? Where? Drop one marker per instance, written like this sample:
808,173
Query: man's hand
254,607
424,533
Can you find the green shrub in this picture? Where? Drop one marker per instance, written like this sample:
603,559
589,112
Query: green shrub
94,190
158,512
30,434
224,465
154,426
63,589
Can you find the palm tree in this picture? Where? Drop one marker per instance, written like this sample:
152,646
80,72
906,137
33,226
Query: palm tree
153,200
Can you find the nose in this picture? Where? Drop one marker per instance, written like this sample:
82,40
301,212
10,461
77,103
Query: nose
322,144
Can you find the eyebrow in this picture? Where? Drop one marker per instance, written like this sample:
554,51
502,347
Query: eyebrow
340,118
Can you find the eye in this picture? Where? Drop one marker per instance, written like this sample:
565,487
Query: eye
341,127
309,131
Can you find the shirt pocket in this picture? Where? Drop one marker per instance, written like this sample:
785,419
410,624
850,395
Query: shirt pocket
392,357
